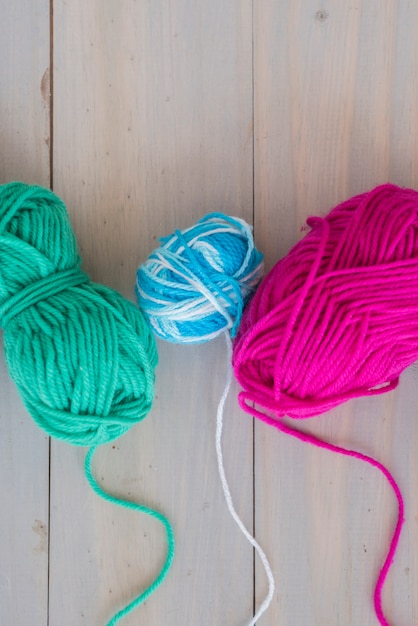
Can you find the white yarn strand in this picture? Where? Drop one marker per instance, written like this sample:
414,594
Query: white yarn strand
227,493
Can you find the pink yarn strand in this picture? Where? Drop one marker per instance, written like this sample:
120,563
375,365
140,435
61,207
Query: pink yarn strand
320,443
336,319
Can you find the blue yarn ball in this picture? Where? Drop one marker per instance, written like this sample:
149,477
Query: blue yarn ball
196,284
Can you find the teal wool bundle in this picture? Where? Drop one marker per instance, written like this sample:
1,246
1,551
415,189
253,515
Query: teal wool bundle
81,355
195,285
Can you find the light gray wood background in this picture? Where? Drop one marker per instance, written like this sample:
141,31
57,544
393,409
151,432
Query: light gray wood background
143,116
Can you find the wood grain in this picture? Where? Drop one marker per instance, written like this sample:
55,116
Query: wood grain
165,111
25,92
24,450
334,111
153,129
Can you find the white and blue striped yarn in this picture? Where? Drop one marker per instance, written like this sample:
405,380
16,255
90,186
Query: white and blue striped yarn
196,284
193,288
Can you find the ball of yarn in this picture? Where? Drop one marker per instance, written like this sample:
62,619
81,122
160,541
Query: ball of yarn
338,316
193,288
81,356
196,284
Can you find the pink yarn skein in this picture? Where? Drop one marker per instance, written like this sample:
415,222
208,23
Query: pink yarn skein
337,318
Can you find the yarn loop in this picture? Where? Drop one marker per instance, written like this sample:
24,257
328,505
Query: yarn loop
195,285
39,291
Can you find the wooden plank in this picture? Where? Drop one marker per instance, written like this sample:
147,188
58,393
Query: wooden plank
25,92
24,449
153,129
335,110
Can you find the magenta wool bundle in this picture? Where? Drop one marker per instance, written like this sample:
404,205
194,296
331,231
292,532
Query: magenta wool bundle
337,318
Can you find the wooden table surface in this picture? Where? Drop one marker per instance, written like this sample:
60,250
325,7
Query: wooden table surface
144,115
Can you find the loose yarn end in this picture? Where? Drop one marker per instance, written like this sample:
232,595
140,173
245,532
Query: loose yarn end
336,319
81,356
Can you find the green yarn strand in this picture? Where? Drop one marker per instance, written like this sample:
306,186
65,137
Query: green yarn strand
133,506
81,355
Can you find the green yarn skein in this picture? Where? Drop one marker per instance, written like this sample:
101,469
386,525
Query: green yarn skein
81,356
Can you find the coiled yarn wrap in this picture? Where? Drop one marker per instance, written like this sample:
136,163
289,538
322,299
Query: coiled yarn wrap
81,355
195,285
337,317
